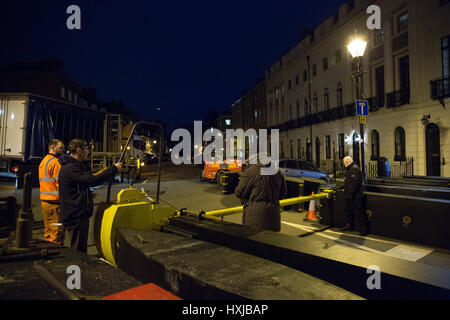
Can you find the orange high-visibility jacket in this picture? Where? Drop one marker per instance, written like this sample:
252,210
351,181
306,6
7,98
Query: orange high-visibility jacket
48,178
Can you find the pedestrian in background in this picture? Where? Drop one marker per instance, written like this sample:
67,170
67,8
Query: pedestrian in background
75,180
260,195
49,193
354,198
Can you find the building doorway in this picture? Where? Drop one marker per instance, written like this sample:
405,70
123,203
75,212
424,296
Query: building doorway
433,145
356,149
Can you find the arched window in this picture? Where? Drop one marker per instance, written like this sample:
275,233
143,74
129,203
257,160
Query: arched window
326,99
375,140
400,144
340,95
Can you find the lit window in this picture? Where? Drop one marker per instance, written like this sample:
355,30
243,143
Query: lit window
228,122
403,22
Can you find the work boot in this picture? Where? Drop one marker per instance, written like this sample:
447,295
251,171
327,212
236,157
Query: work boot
347,227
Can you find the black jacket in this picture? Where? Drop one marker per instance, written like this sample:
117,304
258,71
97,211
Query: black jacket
353,181
75,178
261,196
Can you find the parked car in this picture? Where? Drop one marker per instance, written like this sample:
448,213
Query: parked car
300,168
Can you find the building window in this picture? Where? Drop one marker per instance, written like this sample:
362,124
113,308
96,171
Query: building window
375,140
341,146
62,93
297,107
314,67
228,122
340,99
281,150
446,57
291,149
379,36
306,107
338,56
379,83
289,84
299,149
325,64
305,76
403,22
316,103
326,99
69,93
400,144
328,147
291,117
296,80
75,98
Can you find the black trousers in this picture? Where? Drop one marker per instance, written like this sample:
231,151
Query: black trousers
354,206
78,235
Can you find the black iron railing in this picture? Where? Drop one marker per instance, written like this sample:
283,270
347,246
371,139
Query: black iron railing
376,103
440,88
383,169
398,98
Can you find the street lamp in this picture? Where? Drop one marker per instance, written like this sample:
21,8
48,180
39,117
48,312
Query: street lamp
357,47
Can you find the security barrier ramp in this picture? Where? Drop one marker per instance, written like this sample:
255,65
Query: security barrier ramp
398,214
195,269
30,278
339,265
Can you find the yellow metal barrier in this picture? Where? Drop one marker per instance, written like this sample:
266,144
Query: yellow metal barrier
325,194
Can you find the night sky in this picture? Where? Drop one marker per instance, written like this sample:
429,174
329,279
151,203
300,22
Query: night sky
184,57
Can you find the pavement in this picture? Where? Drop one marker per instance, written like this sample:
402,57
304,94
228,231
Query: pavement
181,188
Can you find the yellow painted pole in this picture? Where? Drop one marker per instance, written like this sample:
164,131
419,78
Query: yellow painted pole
283,203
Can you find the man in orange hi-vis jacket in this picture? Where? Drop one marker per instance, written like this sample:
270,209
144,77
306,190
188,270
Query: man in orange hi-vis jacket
48,181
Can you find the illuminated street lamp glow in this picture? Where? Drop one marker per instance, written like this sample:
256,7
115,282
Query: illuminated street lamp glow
357,47
154,141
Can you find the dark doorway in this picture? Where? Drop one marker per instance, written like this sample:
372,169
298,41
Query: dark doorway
356,149
433,144
317,152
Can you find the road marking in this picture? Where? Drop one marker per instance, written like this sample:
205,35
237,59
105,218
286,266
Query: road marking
400,251
369,238
407,252
298,226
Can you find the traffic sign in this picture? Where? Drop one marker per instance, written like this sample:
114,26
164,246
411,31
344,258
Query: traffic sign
362,108
362,119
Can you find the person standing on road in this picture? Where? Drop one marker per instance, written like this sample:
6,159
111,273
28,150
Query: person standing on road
49,192
261,196
75,179
354,198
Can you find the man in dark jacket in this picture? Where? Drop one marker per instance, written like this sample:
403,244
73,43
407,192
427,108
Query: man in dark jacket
354,198
77,205
261,196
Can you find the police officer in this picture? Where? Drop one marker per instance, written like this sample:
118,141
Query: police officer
354,198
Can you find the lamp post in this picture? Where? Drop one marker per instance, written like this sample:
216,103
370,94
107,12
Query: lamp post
357,47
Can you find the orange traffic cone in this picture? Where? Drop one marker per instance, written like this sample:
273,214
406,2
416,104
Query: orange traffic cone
311,216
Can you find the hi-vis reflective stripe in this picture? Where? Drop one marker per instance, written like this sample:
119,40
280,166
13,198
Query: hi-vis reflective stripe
46,165
48,179
49,192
